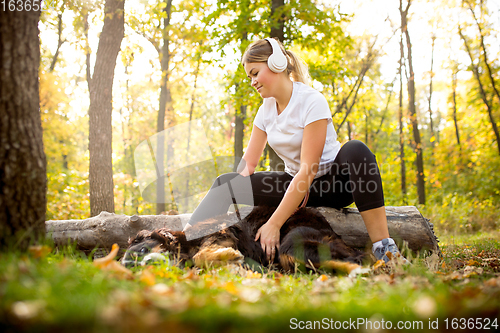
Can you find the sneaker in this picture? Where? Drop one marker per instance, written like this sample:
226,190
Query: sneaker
388,252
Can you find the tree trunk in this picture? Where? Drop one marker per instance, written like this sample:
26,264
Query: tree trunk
240,116
277,19
454,102
164,108
239,133
430,90
100,129
412,107
60,42
405,223
400,116
191,110
367,116
277,30
22,159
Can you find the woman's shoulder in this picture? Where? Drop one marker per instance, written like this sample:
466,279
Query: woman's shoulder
306,91
308,96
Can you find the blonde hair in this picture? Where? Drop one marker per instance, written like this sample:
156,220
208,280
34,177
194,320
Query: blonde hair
260,50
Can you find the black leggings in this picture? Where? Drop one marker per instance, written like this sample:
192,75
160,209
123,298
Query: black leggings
353,177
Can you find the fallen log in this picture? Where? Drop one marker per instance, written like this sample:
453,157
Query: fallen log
406,224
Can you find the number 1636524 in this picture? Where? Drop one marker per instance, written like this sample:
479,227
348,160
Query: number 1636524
471,323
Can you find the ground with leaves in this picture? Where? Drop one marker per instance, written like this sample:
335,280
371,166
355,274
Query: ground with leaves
51,290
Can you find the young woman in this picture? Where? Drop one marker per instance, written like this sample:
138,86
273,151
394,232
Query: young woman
296,121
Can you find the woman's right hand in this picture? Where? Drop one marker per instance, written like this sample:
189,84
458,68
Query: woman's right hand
269,235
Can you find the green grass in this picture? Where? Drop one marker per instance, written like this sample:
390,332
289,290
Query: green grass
64,291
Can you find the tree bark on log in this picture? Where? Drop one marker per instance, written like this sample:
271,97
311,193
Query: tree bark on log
102,231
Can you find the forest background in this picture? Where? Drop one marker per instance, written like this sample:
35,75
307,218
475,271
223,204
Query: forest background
430,112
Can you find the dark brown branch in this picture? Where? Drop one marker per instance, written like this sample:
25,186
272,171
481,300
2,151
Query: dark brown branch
384,114
484,97
430,89
485,56
60,41
367,63
87,47
454,101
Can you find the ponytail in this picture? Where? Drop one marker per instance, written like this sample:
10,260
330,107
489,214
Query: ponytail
297,68
260,50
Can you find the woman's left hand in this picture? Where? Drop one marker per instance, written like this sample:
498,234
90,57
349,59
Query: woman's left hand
269,235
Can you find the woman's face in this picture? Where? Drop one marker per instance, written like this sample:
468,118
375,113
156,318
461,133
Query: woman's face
263,80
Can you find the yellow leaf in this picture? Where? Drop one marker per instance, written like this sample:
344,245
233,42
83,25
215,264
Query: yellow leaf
253,275
147,278
105,261
39,251
108,263
323,278
378,264
191,275
473,262
230,288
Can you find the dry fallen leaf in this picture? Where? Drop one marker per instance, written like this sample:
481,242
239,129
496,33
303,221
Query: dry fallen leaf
39,251
432,262
108,263
253,275
322,278
493,282
454,276
192,274
340,266
473,262
359,271
384,278
472,270
230,288
147,277
380,263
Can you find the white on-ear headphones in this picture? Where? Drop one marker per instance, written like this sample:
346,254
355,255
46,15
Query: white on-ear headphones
277,61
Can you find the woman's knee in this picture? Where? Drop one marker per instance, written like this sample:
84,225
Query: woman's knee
357,151
225,178
356,145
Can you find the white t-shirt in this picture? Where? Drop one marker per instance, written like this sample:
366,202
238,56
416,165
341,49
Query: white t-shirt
285,131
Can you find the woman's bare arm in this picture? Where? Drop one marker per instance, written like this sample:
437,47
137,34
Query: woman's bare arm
256,145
